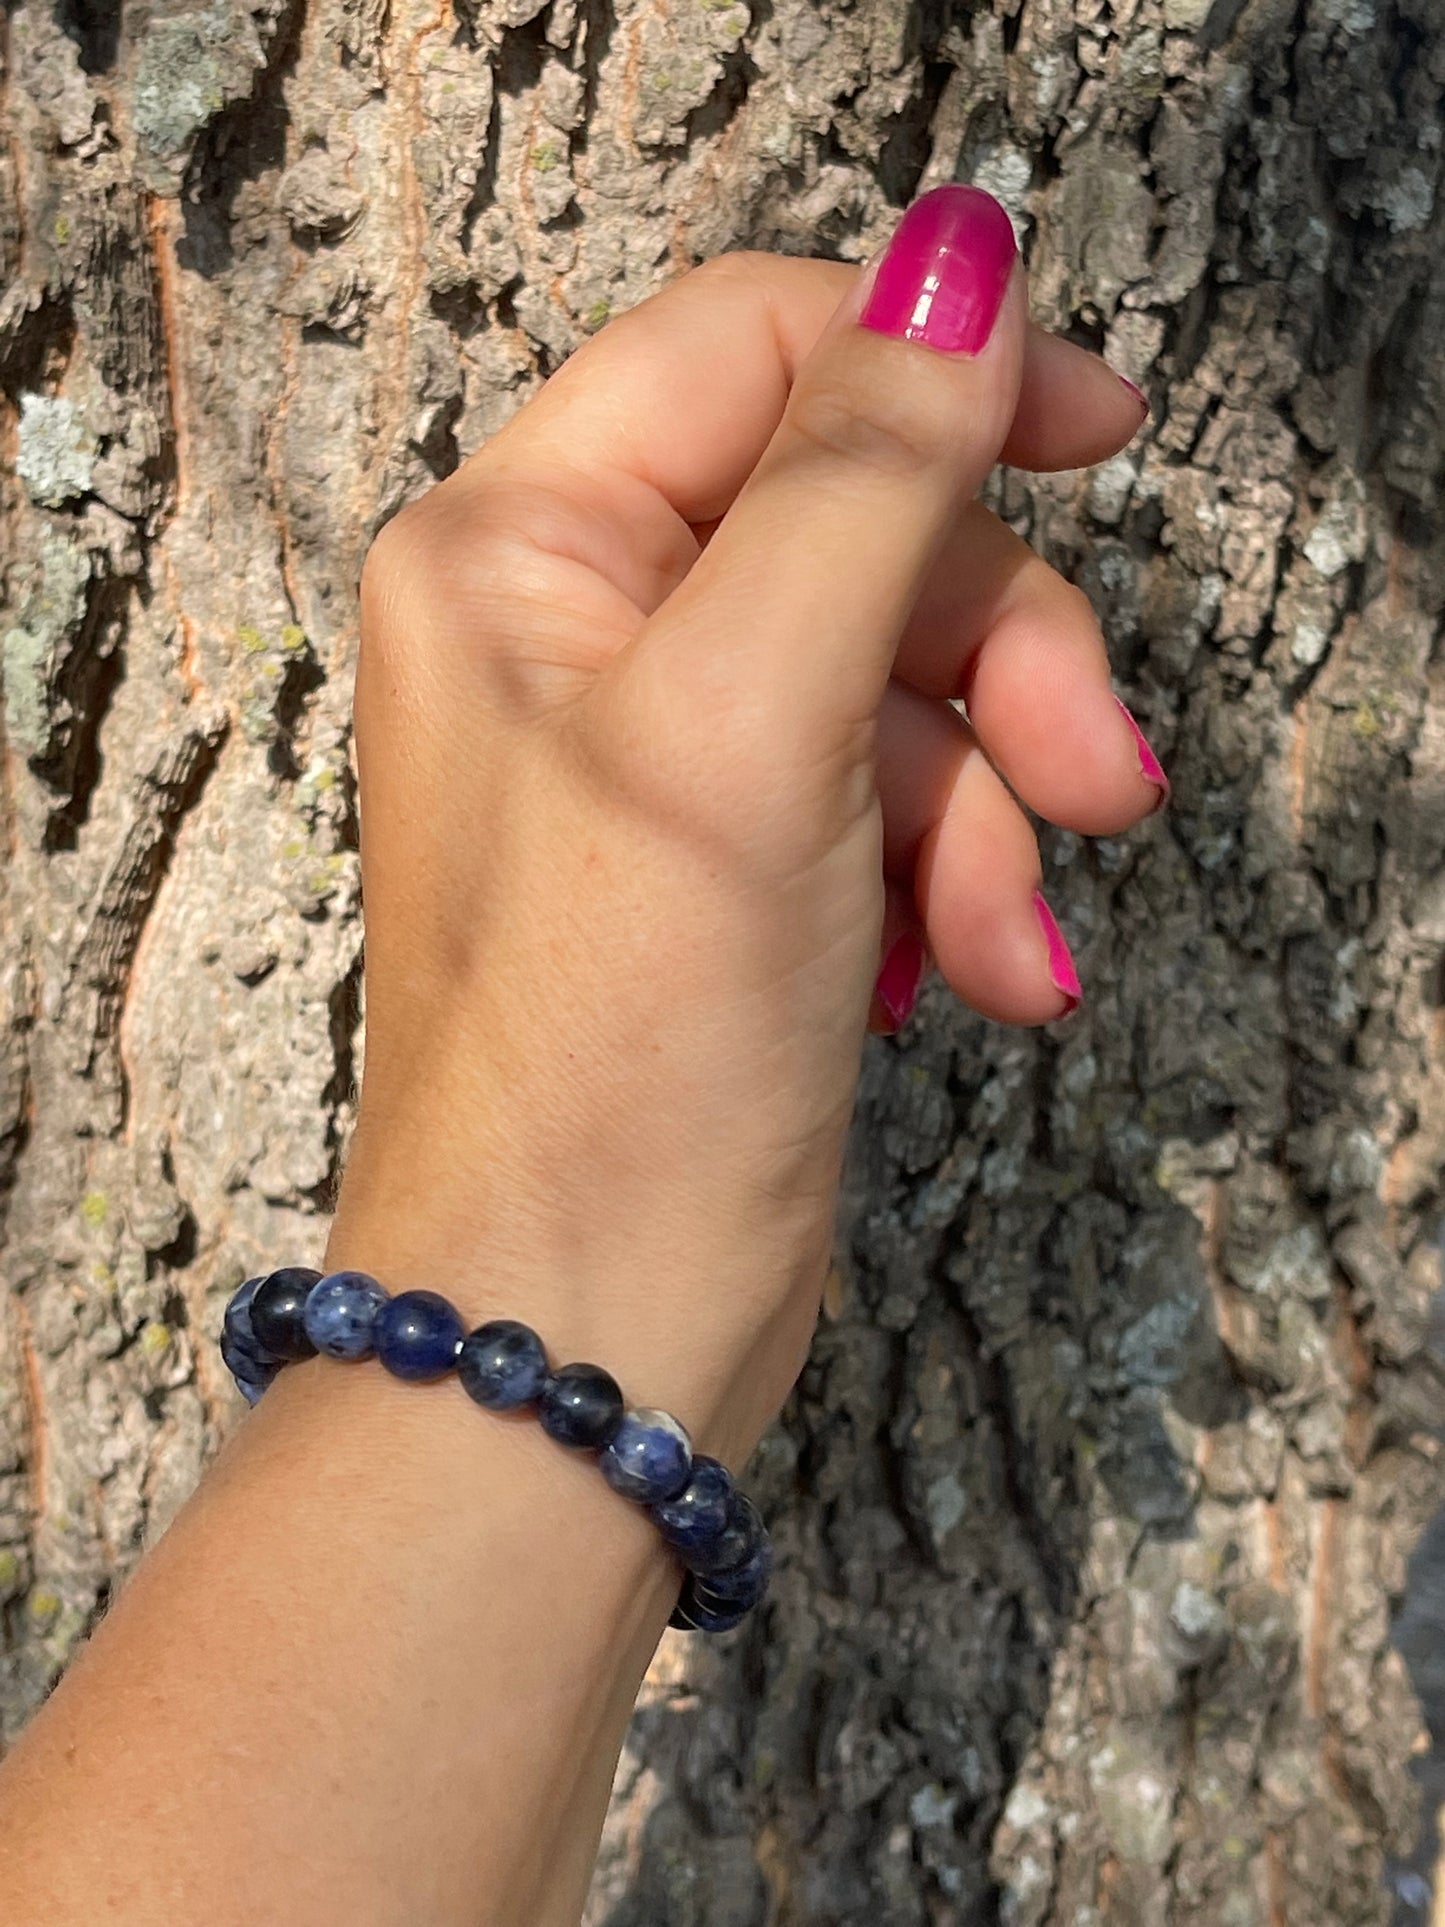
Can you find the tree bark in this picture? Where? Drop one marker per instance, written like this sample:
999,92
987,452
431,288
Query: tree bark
1098,1491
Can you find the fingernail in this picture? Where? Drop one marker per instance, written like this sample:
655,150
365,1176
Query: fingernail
1149,765
946,270
1136,391
901,976
1062,973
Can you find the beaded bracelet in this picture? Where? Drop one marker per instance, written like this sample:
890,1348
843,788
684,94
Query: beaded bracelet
714,1529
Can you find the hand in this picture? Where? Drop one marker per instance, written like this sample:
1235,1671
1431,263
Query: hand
662,794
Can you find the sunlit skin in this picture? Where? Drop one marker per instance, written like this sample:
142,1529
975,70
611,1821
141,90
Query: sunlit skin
658,766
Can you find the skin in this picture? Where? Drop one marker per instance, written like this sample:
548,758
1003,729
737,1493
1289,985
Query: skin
655,762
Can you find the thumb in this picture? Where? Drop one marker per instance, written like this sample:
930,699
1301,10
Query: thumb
893,422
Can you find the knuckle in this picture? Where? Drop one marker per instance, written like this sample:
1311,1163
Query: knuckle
451,550
896,422
389,568
407,551
404,581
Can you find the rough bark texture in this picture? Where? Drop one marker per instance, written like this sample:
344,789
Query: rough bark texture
1098,1492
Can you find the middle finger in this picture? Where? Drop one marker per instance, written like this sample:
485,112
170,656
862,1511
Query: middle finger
995,625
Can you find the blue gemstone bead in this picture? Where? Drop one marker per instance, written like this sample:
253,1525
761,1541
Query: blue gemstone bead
236,1324
503,1365
742,1585
251,1372
580,1405
341,1314
739,1539
648,1457
247,1358
693,1615
238,1304
417,1335
278,1312
699,1512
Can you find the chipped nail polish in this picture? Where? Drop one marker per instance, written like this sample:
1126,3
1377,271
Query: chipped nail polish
1062,973
901,977
1136,391
1150,768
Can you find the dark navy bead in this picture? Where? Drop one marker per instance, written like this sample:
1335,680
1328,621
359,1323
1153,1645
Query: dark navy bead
648,1457
737,1542
278,1312
251,1372
700,1511
246,1357
341,1314
236,1319
417,1335
236,1324
714,1619
742,1585
580,1405
237,1315
503,1365
692,1615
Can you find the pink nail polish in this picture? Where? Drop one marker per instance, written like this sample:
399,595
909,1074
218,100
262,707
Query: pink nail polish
943,278
1136,391
901,976
1149,765
1062,973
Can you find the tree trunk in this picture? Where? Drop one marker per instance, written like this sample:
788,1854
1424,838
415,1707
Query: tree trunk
1097,1493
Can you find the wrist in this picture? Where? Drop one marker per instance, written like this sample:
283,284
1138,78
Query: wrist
710,1328
420,1336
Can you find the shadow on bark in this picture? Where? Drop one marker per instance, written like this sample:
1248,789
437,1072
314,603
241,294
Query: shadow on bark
1096,1281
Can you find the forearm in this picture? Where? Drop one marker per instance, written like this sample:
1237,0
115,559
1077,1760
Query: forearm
377,1672
379,1669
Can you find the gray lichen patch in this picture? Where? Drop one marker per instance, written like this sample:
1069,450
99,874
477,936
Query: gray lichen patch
34,649
56,456
191,65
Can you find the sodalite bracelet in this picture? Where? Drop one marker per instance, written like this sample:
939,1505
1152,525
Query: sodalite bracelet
644,1454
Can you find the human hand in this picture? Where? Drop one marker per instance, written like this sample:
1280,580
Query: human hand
662,793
